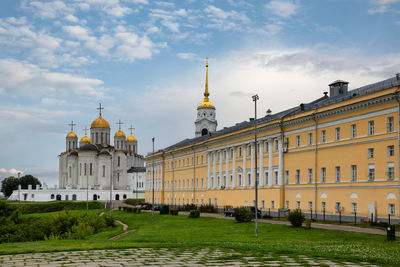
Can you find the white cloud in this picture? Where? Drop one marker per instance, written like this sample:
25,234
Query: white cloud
30,80
188,56
283,9
50,10
11,172
381,6
225,20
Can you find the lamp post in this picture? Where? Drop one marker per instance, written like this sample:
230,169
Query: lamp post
255,98
152,176
111,179
87,190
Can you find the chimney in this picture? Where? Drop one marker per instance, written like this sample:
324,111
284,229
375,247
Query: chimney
338,87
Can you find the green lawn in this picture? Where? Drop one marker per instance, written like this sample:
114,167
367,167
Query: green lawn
180,231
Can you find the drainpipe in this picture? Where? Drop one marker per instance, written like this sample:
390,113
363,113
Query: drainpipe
315,161
194,175
397,97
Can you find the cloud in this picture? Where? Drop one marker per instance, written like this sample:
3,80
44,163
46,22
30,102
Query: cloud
50,10
283,9
381,6
11,172
188,56
26,79
225,20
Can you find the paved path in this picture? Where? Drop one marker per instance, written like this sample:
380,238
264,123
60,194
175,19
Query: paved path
338,227
164,257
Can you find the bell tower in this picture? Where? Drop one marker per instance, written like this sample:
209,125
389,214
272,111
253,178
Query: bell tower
206,119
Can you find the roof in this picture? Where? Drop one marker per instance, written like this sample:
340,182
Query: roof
338,81
137,169
318,103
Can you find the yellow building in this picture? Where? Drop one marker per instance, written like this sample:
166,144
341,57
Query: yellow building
339,152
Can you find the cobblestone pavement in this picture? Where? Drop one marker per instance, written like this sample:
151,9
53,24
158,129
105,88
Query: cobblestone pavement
164,257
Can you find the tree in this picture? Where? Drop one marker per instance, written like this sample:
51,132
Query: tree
9,184
28,179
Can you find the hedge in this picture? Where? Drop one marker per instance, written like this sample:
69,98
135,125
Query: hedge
27,208
133,202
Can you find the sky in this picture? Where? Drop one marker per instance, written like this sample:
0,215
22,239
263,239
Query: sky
144,61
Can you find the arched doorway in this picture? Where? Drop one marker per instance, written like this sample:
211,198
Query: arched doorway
117,197
94,197
58,197
73,197
204,132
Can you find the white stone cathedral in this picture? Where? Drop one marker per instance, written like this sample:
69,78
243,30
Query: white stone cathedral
96,166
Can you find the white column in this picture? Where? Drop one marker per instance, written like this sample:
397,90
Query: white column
234,167
270,171
253,150
227,168
215,169
244,178
261,171
280,168
220,168
208,170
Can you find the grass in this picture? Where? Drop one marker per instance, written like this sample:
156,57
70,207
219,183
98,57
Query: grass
181,232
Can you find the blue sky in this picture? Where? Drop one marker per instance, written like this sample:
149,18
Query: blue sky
144,61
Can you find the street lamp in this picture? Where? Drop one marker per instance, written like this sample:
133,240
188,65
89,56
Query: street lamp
255,98
152,206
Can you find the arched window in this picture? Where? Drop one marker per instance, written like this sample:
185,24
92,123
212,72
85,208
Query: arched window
73,197
52,196
101,134
97,138
124,196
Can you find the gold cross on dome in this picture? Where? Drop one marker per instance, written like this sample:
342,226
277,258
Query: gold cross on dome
100,108
119,124
131,128
72,124
85,129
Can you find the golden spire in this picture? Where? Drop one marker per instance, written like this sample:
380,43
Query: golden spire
206,103
206,94
85,139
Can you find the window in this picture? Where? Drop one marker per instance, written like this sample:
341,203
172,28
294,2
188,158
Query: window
323,206
298,205
183,183
202,182
371,127
119,161
52,196
353,173
337,173
276,144
353,131
258,148
70,172
224,154
310,139
248,150
286,177
370,153
309,205
287,143
390,171
240,151
118,177
297,176
232,151
266,177
272,204
202,159
390,151
323,136
231,178
337,133
262,204
391,209
85,169
287,204
297,140
309,176
276,177
224,181
80,168
266,147
248,179
91,168
390,124
104,170
371,172
239,179
323,175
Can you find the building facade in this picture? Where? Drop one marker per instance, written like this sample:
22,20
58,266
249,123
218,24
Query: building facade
339,153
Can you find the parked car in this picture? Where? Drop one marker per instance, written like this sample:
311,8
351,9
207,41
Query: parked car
253,209
229,212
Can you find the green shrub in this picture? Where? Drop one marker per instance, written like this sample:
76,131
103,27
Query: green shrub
194,214
133,202
208,208
27,208
243,214
187,207
296,218
173,211
308,223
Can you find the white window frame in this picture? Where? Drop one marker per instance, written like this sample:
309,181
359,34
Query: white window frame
390,124
297,176
337,174
371,128
390,171
298,205
353,173
323,175
370,153
323,136
337,133
297,140
353,131
371,172
390,151
310,139
310,176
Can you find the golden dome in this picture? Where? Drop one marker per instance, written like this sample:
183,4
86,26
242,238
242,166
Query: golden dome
100,123
119,134
85,139
71,134
206,104
131,138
